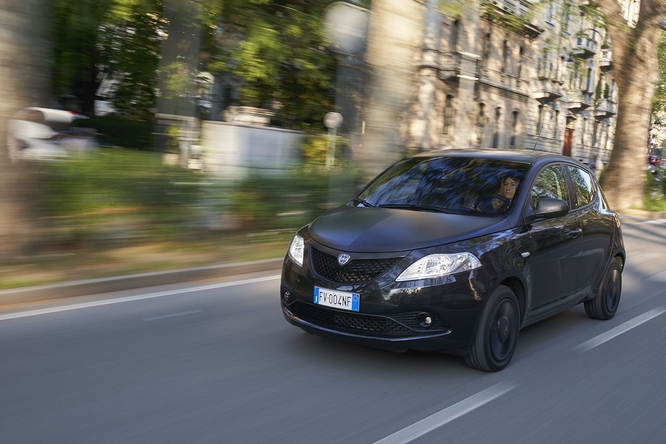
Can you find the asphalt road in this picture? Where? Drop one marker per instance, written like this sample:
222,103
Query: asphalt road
215,362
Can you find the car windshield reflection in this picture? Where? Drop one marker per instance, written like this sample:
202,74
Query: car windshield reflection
455,185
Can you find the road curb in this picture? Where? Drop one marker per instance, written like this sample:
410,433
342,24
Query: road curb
645,214
132,281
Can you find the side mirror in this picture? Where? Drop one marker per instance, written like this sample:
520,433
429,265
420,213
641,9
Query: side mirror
358,189
547,208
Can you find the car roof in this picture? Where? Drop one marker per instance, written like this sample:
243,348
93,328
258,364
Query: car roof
529,156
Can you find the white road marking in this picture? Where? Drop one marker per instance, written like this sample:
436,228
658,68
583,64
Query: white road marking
173,315
656,221
139,297
447,415
622,328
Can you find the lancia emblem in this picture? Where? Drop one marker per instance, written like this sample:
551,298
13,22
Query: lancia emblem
343,258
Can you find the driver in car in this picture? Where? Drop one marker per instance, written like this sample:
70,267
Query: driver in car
500,202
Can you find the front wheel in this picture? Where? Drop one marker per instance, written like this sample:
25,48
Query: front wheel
605,303
497,333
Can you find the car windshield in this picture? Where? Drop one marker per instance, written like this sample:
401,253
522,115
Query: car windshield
459,185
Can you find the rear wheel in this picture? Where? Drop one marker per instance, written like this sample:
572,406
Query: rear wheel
605,303
497,333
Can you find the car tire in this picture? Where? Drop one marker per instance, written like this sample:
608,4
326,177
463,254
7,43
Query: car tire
605,303
497,332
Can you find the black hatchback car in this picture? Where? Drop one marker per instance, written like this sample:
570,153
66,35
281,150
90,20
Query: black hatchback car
456,251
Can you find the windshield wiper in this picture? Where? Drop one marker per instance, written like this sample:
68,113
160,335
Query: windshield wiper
361,201
415,207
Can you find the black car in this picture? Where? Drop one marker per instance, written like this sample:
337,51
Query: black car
456,251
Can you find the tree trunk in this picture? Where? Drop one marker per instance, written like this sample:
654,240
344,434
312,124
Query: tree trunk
625,179
395,38
25,70
636,76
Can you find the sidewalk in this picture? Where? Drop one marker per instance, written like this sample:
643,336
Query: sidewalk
131,281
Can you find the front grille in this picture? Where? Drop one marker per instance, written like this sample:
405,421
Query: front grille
359,323
355,271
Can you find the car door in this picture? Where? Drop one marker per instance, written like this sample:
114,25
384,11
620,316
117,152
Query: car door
552,266
597,225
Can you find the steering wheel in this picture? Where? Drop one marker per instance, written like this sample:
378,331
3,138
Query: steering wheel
493,204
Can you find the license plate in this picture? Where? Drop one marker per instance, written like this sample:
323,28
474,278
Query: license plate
337,299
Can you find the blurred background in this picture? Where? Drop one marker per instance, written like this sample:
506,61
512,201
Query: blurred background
151,134
142,135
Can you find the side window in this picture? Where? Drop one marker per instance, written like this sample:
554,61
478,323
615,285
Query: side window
583,186
550,183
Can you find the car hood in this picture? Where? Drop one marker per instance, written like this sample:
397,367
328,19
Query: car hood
378,230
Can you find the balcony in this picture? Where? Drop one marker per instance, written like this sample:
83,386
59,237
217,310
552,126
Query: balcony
604,108
579,100
606,59
513,15
584,47
547,90
450,65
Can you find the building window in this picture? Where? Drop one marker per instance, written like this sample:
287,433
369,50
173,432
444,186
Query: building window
497,127
448,115
566,19
505,57
549,12
539,124
514,129
519,68
480,123
486,50
582,133
455,29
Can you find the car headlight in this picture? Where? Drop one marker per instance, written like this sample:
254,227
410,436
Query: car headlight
296,249
438,265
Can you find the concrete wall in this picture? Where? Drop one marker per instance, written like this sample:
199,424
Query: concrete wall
232,151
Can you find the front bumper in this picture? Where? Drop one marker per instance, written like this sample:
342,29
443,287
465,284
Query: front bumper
396,320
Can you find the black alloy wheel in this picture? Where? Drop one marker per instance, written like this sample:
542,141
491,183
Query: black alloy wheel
497,332
605,304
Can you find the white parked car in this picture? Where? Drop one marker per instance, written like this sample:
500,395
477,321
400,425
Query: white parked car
45,133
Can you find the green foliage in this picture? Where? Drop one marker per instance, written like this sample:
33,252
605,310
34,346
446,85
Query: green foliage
659,100
130,194
594,15
655,194
114,178
75,44
453,8
514,22
315,148
278,50
290,201
130,47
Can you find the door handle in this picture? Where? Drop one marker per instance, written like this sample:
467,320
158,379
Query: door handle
575,233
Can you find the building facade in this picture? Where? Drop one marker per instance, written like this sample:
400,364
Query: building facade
512,74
